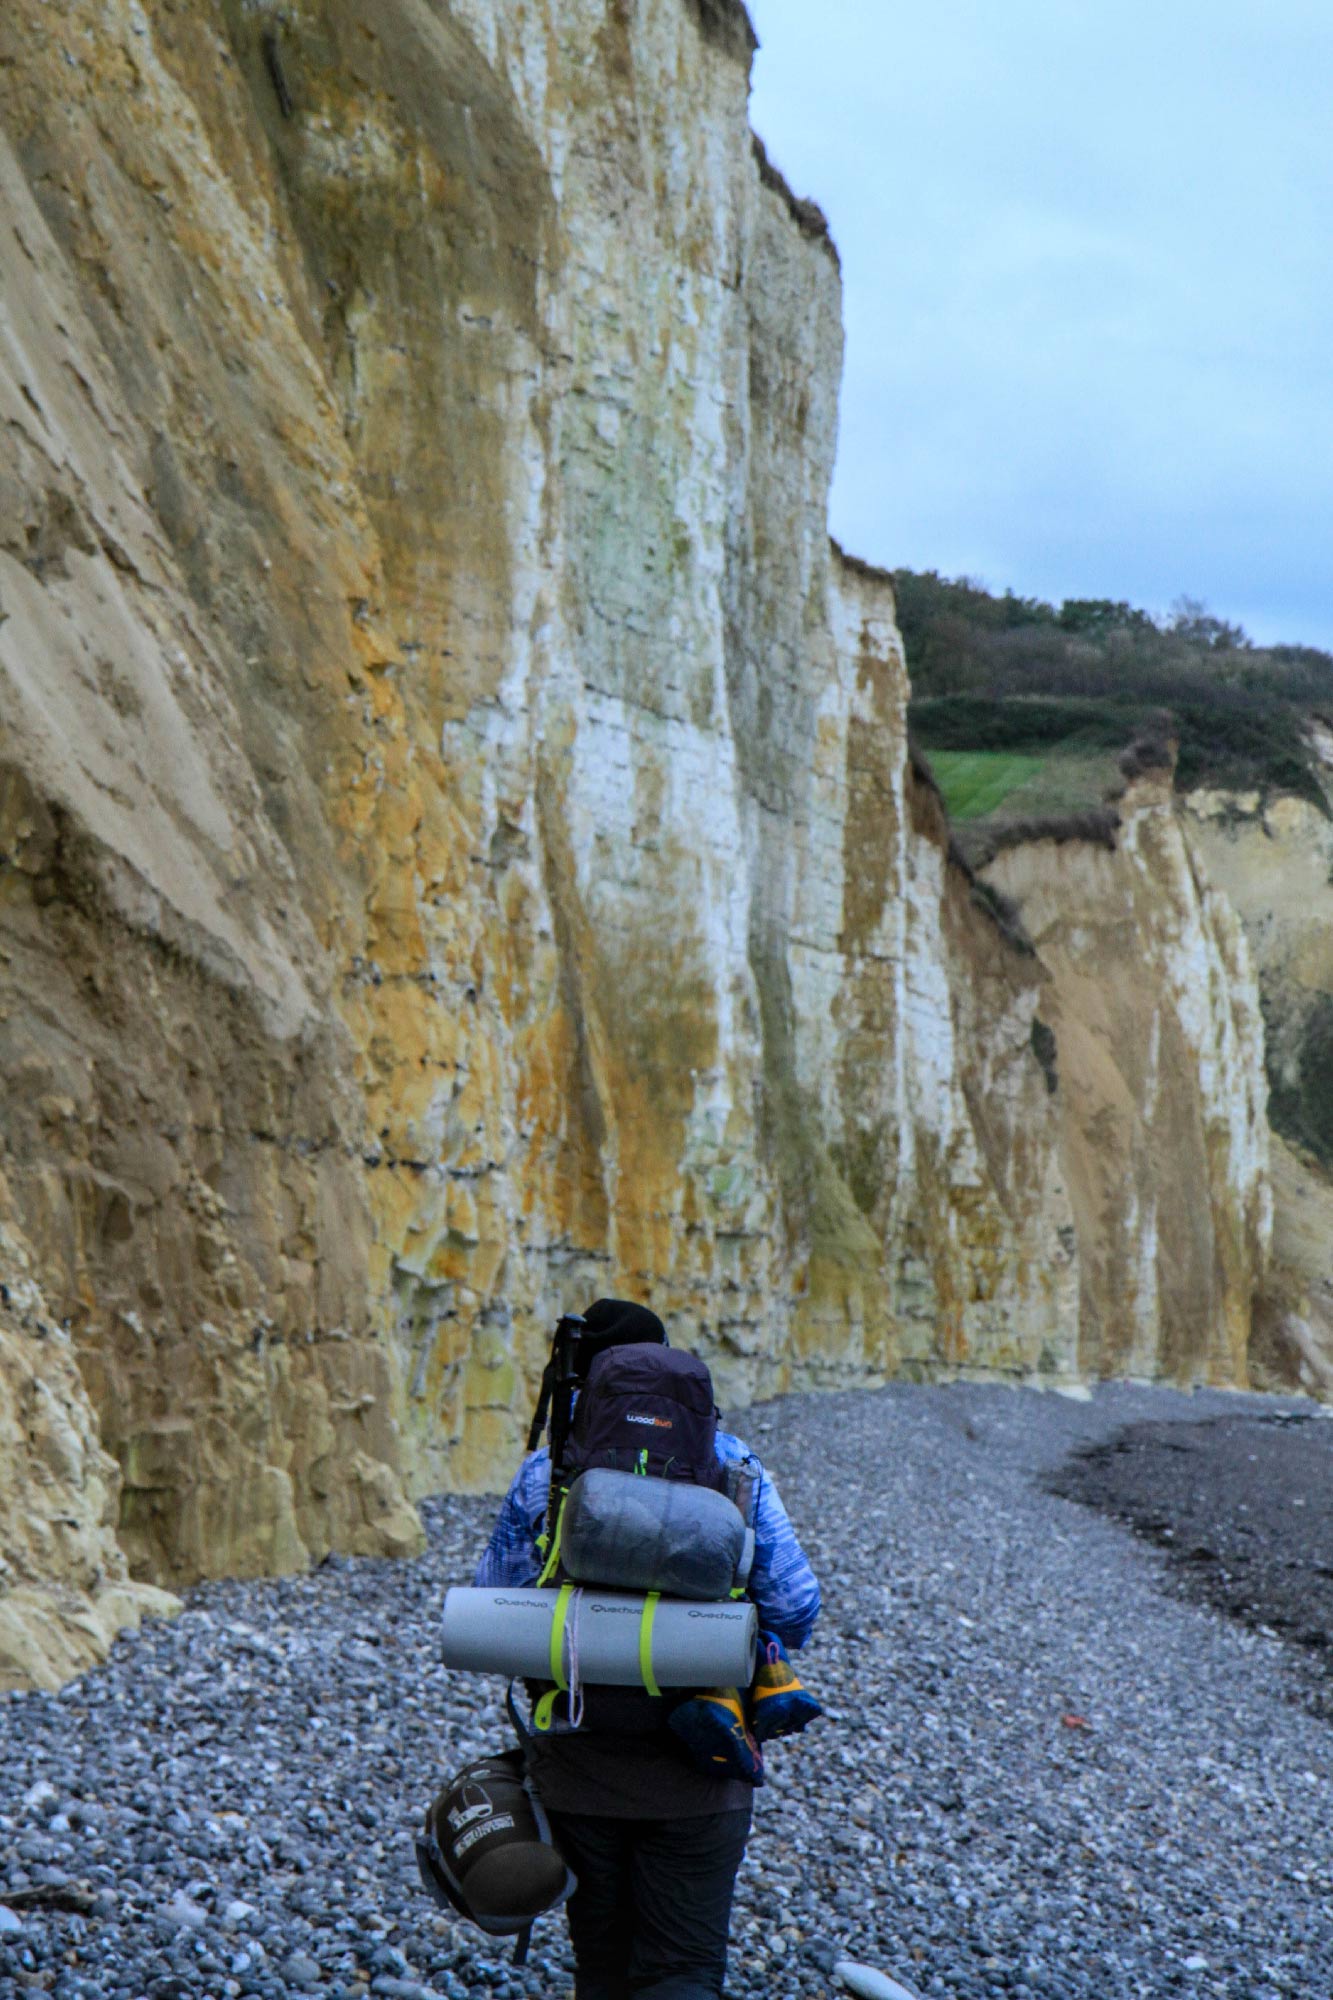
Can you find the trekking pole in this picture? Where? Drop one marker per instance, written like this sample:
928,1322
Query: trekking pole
552,1377
569,1331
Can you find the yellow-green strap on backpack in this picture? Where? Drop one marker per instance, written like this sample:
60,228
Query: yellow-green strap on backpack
553,1556
542,1714
646,1618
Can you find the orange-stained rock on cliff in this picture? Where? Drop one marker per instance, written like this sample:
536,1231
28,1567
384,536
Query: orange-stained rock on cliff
458,849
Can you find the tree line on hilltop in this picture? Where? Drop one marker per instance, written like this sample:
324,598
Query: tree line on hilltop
993,672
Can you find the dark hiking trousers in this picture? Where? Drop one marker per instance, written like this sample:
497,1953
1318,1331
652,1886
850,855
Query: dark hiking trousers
651,1913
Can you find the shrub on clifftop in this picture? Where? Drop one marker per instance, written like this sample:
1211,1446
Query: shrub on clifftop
1005,673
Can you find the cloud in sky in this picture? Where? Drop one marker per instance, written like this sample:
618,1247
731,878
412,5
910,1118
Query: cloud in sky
1088,267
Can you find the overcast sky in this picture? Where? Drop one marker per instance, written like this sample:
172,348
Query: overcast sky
1088,267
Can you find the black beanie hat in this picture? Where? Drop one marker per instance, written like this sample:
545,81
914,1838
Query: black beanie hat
620,1323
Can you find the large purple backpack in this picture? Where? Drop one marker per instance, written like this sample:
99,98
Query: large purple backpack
646,1410
643,1408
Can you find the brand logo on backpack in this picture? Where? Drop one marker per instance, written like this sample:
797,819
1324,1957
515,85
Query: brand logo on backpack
657,1423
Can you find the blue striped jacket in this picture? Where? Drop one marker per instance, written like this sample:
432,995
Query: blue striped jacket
782,1583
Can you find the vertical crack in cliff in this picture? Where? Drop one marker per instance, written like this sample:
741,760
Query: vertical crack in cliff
590,1148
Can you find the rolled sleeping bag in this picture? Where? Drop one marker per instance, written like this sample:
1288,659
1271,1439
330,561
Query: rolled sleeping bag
627,1533
621,1640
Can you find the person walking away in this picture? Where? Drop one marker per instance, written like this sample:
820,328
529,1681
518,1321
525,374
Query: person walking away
654,1838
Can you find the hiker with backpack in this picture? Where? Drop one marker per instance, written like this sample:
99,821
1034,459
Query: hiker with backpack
648,1788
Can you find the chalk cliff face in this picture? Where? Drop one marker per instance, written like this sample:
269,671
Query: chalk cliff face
1273,860
460,854
1159,1046
64,1589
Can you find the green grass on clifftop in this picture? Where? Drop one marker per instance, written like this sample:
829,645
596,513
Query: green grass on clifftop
1023,708
975,782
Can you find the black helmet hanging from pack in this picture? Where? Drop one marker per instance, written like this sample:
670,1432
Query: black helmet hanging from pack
486,1850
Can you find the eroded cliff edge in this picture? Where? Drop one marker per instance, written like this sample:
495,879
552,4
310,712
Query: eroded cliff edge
460,853
1158,1058
1271,856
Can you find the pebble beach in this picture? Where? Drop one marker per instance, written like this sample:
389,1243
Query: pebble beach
1049,1768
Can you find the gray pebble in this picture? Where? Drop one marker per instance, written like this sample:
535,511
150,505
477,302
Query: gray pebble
301,1970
